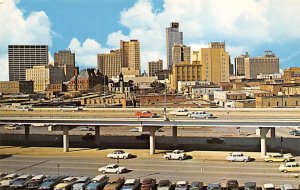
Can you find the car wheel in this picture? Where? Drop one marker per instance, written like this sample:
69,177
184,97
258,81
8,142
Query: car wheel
103,171
180,158
167,158
206,117
189,115
285,171
124,157
118,172
194,117
245,160
270,161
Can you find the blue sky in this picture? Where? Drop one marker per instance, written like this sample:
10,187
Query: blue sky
89,27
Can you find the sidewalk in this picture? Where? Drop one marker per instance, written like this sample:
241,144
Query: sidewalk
86,152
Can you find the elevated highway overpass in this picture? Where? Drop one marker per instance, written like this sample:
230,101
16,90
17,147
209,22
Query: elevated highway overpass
150,125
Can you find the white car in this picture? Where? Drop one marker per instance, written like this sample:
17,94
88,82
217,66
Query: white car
175,155
119,154
181,185
112,168
66,183
12,127
289,167
237,157
200,115
8,180
181,112
268,186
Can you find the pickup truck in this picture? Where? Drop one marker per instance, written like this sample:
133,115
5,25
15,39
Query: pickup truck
175,155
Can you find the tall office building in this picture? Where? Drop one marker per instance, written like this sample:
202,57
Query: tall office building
155,66
215,62
181,53
130,57
239,63
109,64
173,36
268,64
185,71
22,57
65,59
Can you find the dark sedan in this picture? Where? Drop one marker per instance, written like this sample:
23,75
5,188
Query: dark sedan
50,182
148,184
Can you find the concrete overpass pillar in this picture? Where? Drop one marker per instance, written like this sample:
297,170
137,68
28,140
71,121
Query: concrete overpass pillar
27,131
174,131
97,134
263,141
273,134
152,140
66,138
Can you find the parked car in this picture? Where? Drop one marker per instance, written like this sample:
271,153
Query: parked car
119,154
237,157
276,158
131,184
50,182
12,127
136,129
215,140
196,185
181,112
114,184
2,175
200,115
287,186
213,186
112,168
289,167
8,179
148,184
294,132
268,186
66,183
146,114
181,185
34,182
86,128
88,137
250,186
164,185
232,185
20,182
81,183
175,155
97,183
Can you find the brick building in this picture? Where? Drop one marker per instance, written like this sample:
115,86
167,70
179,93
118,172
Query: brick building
86,80
15,87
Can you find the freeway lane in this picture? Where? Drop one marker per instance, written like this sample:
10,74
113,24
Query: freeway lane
152,122
194,169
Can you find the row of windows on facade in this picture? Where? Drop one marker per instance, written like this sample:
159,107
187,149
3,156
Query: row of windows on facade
280,103
264,60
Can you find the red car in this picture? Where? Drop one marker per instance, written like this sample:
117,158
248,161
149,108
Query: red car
146,114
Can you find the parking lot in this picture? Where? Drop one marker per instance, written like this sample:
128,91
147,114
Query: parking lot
208,167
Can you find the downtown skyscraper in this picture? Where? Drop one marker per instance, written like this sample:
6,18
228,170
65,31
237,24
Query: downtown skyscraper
173,36
22,57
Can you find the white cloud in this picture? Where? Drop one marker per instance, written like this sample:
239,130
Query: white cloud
113,39
243,24
86,53
16,29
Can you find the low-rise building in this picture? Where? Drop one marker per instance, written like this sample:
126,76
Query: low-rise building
121,87
56,88
276,89
16,87
292,75
229,95
158,100
278,101
86,80
292,90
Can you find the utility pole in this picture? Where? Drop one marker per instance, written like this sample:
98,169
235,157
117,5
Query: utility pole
165,101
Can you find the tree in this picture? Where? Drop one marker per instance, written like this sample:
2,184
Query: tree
157,87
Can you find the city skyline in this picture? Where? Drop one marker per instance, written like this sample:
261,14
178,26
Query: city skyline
273,26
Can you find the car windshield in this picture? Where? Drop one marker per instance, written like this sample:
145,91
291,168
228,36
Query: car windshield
115,166
8,178
212,188
181,185
270,188
129,184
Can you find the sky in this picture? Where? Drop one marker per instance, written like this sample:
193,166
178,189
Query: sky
89,27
